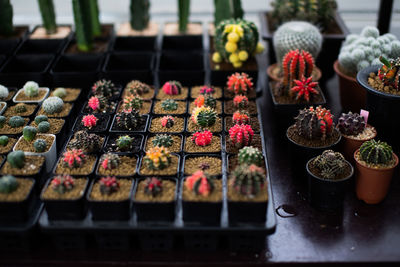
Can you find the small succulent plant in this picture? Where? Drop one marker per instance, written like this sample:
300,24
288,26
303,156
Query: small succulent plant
330,164
248,180
109,185
16,121
44,127
202,138
172,88
376,152
53,105
157,158
110,161
250,155
136,87
241,117
20,108
31,89
129,119
314,123
104,88
8,184
240,102
205,100
239,83
305,88
169,105
204,166
60,92
389,73
16,159
62,183
89,121
132,102
3,92
167,121
241,135
40,145
351,123
296,64
206,90
87,142
164,140
40,118
4,140
153,186
29,133
204,116
124,142
73,158
2,121
200,183
97,103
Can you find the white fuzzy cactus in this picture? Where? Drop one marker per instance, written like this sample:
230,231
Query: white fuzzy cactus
31,89
53,105
364,50
3,92
297,35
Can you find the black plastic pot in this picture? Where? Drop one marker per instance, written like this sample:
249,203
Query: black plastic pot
246,212
137,144
89,175
326,194
110,210
2,59
187,156
186,67
41,46
141,129
95,152
76,71
134,44
125,67
155,211
21,68
9,44
127,175
117,90
383,109
100,46
87,110
12,91
182,43
65,209
101,126
18,211
177,174
154,134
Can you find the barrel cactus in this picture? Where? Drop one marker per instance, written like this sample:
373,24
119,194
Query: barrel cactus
4,140
330,165
53,105
250,155
31,89
16,121
40,145
248,180
16,159
351,123
314,123
3,92
8,184
376,152
60,92
40,118
44,127
164,140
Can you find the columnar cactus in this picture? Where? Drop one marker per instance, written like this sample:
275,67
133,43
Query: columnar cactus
46,8
250,155
89,121
330,164
16,121
241,117
73,158
153,186
136,87
85,141
53,105
204,116
164,140
129,119
20,108
314,123
60,92
241,135
4,140
40,145
62,183
205,100
183,14
6,15
169,105
389,73
124,142
351,123
240,83
297,35
139,14
97,103
167,121
108,185
16,159
305,88
240,102
29,133
172,88
110,161
202,138
83,28
376,152
8,184
295,65
157,158
200,183
31,89
248,180
132,102
104,88
226,9
44,127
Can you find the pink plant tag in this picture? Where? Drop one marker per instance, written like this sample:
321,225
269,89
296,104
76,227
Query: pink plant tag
365,115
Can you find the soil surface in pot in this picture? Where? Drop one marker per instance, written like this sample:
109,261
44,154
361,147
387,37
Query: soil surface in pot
167,193
229,108
218,107
111,145
378,85
72,94
294,136
32,166
214,196
233,195
99,46
230,95
19,32
20,194
75,193
55,125
182,96
146,96
22,97
63,113
125,29
254,123
101,125
180,110
61,32
7,148
193,164
170,170
195,92
127,167
85,169
174,148
27,146
141,126
389,165
192,127
145,109
368,133
291,99
192,29
30,108
314,170
122,194
11,93
84,150
156,126
214,147
256,142
7,129
109,108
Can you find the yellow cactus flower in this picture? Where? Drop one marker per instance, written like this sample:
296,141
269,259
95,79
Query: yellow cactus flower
216,57
233,37
259,48
230,47
237,64
228,28
233,58
243,55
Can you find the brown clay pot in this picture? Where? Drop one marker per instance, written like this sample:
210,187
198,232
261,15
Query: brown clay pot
271,73
352,95
349,145
372,184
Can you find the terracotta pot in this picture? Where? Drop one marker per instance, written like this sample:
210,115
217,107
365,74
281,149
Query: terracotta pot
352,95
372,184
349,145
270,72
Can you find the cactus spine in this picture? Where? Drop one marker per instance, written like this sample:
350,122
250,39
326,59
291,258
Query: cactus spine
376,152
183,10
139,14
48,15
6,16
83,30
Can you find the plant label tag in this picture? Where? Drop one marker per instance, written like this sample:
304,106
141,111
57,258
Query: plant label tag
365,115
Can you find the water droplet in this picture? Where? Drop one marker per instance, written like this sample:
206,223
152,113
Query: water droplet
286,211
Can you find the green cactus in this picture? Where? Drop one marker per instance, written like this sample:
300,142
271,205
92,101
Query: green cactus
40,118
44,127
237,9
204,116
31,89
53,105
83,28
16,121
3,140
20,108
227,9
124,142
8,184
139,14
164,140
40,145
94,17
183,13
29,133
169,105
330,164
16,159
110,161
376,152
48,15
60,92
248,180
6,17
250,155
2,121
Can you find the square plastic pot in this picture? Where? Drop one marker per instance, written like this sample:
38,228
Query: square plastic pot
120,67
99,152
9,45
112,138
134,44
4,104
247,212
31,101
65,209
21,68
186,67
41,46
103,119
182,43
141,129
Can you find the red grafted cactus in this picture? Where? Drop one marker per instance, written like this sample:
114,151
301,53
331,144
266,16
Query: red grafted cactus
239,83
305,88
205,100
200,184
97,103
167,121
206,90
240,102
153,186
241,117
314,123
74,158
89,121
108,185
172,88
241,135
202,138
110,161
295,65
62,183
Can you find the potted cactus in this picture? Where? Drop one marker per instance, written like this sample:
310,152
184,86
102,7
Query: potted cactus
375,164
136,87
124,143
247,195
169,106
203,142
93,123
204,118
63,197
155,199
16,198
75,162
158,161
207,100
202,199
31,93
99,104
167,124
132,101
172,142
7,93
183,27
54,126
129,120
240,103
212,164
172,90
67,94
6,144
242,117
112,164
313,132
359,52
239,136
21,109
247,155
12,125
54,107
87,142
355,131
20,164
109,198
321,13
328,179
